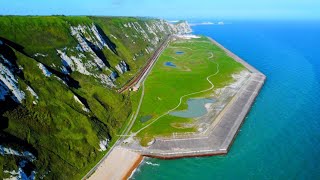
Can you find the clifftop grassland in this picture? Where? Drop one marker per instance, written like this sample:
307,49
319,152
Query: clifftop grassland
59,108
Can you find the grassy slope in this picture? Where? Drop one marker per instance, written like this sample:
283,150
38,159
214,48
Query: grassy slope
126,46
62,134
165,85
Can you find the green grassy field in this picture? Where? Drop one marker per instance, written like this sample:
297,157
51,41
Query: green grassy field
165,85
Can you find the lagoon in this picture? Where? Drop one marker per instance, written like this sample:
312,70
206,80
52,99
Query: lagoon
196,108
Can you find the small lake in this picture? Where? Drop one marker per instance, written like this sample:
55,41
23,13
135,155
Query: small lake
170,64
145,118
196,108
179,52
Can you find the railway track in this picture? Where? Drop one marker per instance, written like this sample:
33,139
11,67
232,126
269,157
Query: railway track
145,70
138,78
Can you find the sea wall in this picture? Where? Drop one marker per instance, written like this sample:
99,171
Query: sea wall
221,134
217,141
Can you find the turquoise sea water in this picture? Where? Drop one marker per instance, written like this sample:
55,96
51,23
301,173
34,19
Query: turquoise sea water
280,138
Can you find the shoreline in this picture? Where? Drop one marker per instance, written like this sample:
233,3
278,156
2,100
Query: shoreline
219,139
119,164
133,168
220,134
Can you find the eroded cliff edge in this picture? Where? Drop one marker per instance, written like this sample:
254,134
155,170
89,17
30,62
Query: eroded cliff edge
59,107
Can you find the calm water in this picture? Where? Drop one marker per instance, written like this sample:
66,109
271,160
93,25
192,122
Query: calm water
280,139
179,52
196,108
171,64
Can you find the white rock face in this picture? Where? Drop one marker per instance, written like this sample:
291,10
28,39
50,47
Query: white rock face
74,63
59,79
13,174
20,174
66,61
33,94
122,67
86,35
100,43
183,28
78,101
80,65
103,144
45,71
106,80
8,79
79,33
9,151
79,48
90,40
113,36
39,54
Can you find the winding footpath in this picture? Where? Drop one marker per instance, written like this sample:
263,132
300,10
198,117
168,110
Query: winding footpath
181,98
174,47
223,131
119,162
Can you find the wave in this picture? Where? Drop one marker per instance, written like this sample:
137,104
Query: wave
209,23
152,164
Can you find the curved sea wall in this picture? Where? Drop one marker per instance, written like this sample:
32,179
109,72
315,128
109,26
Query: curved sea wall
220,135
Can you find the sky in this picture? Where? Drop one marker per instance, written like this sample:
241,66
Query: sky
170,9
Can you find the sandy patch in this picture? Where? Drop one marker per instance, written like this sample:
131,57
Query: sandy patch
118,165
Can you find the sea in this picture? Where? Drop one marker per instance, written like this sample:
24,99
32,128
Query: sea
280,138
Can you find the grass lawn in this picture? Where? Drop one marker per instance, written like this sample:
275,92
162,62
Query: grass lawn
166,84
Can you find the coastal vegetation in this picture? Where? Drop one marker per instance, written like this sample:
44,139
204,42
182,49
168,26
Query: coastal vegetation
197,62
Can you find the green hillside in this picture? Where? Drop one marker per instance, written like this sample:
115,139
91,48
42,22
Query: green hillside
58,81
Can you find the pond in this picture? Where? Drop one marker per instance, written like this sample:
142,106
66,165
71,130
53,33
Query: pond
145,118
196,108
179,52
170,64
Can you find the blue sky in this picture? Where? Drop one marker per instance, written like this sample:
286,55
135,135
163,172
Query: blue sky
216,9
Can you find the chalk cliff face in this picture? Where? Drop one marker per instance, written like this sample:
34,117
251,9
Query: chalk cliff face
182,27
58,81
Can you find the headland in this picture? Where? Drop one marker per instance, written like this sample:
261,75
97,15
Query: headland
215,131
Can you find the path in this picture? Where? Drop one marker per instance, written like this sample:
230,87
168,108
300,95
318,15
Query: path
219,138
174,47
181,98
